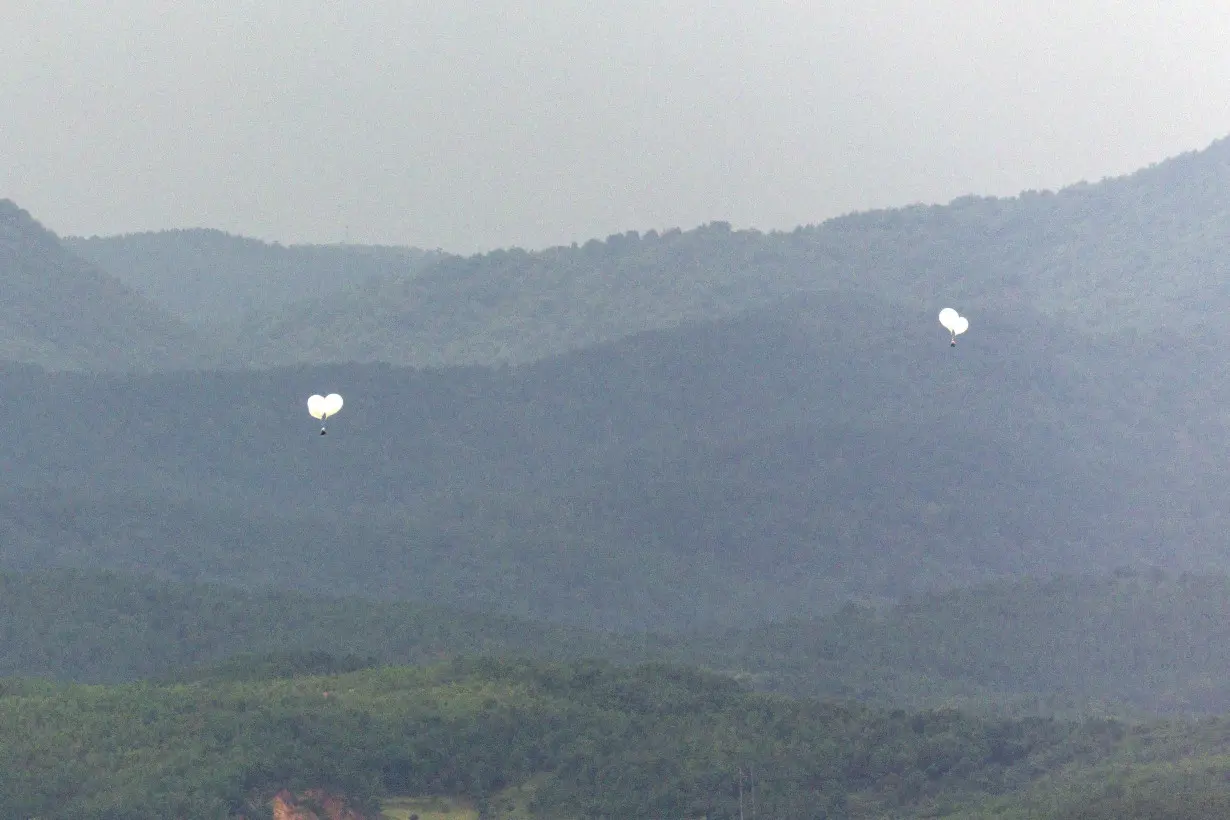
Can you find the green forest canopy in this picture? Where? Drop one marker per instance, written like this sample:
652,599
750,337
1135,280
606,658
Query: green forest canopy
596,741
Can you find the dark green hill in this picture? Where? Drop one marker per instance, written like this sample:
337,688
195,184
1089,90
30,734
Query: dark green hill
215,279
62,313
97,627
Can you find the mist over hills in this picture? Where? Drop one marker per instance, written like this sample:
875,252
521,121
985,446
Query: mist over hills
1137,254
1140,253
816,442
757,453
216,280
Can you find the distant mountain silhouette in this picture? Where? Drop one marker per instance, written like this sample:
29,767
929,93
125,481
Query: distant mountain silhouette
1129,255
62,313
216,279
1135,254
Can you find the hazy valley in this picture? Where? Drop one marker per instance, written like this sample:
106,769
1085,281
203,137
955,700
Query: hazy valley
751,453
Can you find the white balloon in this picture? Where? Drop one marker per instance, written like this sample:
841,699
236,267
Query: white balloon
316,406
960,325
947,317
333,403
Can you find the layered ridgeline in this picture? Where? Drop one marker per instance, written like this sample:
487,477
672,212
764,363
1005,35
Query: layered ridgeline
1140,253
1143,252
769,466
586,740
64,313
1129,645
215,280
1137,254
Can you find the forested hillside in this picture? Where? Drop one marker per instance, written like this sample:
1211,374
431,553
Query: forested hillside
570,741
101,627
1132,255
1132,644
770,466
60,312
1137,254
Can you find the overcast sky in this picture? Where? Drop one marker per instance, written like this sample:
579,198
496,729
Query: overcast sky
470,125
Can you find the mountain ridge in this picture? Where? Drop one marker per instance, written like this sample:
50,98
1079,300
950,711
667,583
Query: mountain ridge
62,313
1134,254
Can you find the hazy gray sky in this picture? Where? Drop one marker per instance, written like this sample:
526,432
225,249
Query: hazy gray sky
471,124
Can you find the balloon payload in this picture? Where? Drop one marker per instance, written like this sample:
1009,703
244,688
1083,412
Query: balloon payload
954,323
321,407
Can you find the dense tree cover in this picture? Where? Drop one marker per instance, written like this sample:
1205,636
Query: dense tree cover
216,280
60,312
597,741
